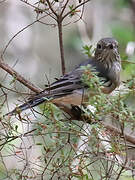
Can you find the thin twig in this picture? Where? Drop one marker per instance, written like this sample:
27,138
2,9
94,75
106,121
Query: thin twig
50,161
59,22
127,137
68,13
63,9
18,77
50,6
15,137
20,32
117,131
15,91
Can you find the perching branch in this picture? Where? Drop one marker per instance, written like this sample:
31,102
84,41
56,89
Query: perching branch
111,128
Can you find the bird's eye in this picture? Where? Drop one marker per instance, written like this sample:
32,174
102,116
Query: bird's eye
111,46
99,46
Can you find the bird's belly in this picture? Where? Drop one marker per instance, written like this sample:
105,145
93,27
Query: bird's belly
76,98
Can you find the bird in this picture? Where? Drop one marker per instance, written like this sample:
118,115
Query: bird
69,88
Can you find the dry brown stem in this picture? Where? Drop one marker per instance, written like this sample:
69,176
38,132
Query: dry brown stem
18,77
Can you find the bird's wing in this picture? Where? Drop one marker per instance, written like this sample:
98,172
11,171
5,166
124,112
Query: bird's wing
67,89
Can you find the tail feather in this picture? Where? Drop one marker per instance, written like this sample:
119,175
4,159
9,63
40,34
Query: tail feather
39,99
27,105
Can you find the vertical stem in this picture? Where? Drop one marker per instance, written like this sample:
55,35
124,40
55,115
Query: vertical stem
59,21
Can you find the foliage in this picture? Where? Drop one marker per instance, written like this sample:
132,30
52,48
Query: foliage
57,137
87,50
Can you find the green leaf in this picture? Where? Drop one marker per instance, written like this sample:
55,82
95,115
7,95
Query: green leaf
88,50
39,144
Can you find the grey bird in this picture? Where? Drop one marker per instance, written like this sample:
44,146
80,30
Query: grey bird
69,88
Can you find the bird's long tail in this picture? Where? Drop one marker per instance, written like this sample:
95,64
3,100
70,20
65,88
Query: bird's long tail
34,101
27,105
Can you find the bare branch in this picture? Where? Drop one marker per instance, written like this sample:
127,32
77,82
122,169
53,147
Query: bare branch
21,32
61,46
63,9
127,137
68,13
50,6
18,77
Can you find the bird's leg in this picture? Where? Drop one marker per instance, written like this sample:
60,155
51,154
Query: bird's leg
66,109
76,111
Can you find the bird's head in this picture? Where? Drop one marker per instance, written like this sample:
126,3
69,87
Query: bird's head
107,60
107,51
